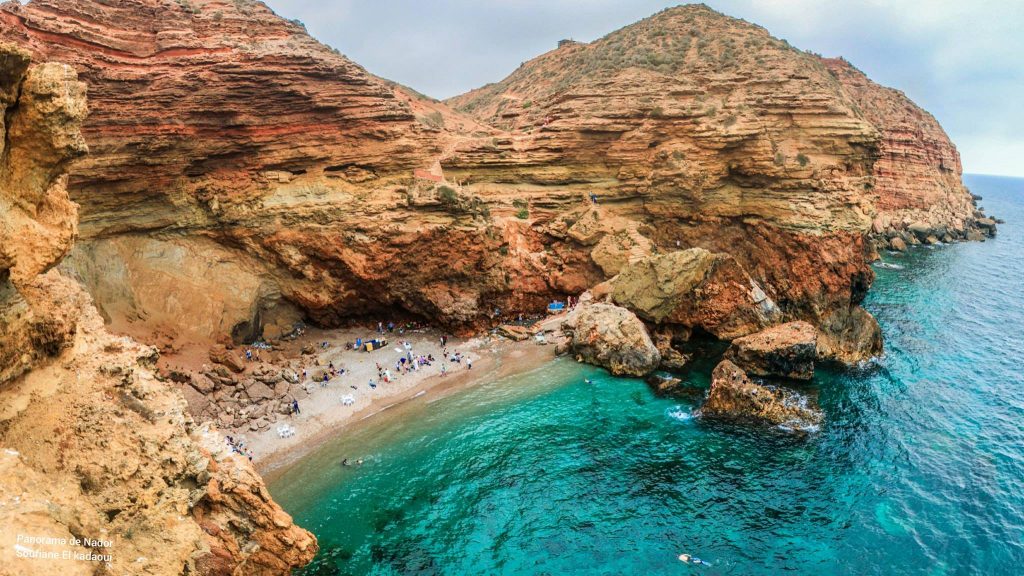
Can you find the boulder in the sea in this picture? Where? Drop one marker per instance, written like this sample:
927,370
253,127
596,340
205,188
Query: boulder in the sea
663,383
734,397
975,235
787,350
695,288
611,337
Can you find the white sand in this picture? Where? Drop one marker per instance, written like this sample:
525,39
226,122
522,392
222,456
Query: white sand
323,414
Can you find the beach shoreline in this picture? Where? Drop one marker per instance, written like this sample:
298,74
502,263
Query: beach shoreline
347,399
497,358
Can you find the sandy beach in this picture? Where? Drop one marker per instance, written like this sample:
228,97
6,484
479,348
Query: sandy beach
322,412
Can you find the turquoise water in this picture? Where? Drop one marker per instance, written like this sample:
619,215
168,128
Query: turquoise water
919,468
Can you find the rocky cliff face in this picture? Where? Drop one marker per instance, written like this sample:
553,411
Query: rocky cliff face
918,177
42,109
705,132
95,446
227,144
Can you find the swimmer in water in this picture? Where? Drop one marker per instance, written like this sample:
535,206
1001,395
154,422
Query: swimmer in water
692,559
588,381
344,462
359,462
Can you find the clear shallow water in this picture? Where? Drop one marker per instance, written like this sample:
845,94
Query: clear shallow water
919,468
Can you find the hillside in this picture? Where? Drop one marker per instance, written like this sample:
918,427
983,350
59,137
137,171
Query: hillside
228,144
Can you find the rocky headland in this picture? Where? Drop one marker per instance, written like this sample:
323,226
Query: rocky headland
697,178
96,447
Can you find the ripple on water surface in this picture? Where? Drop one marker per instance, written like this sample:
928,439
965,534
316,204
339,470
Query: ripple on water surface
918,468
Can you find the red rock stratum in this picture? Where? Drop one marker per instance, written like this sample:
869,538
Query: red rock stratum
244,176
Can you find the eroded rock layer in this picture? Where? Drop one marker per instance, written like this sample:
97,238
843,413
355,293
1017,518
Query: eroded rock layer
98,456
227,143
918,178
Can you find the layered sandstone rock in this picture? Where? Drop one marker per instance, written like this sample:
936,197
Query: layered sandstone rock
225,137
733,397
787,350
226,140
94,446
42,109
918,178
613,338
121,460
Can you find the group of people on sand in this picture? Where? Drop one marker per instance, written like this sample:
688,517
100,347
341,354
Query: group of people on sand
238,447
391,327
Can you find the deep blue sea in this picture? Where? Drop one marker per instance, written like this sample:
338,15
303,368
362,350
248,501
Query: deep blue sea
919,468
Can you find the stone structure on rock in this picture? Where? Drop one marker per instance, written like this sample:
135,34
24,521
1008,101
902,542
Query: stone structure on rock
94,445
733,397
330,193
611,337
787,351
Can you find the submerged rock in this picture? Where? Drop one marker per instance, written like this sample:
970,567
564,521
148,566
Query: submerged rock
787,350
611,337
735,397
668,385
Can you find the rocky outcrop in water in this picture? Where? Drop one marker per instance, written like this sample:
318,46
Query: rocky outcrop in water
733,397
787,351
613,338
94,444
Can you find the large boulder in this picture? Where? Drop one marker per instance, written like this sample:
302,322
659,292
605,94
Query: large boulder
611,337
228,358
787,350
733,397
697,289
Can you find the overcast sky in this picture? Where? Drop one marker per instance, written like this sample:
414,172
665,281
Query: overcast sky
962,60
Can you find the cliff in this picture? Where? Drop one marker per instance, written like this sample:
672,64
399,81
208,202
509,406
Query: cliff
95,446
244,176
918,178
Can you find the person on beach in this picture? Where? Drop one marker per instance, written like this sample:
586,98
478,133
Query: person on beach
444,369
469,363
295,407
